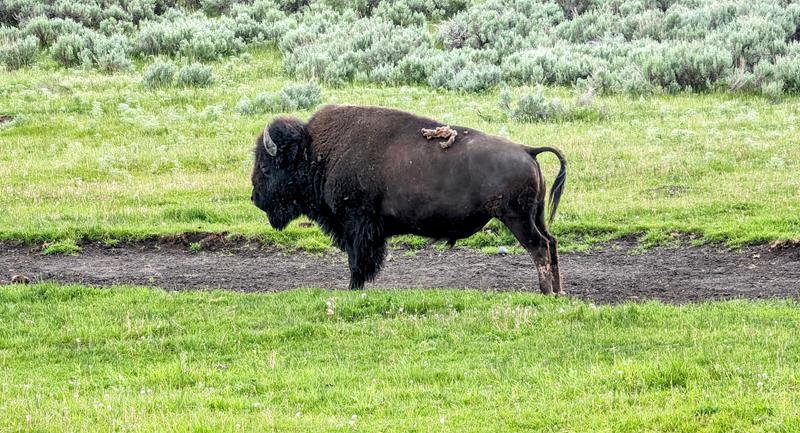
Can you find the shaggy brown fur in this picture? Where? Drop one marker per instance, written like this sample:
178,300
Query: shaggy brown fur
20,279
365,174
441,132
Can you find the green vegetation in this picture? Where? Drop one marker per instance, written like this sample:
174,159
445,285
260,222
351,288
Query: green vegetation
76,358
163,145
121,120
195,75
64,247
633,46
292,97
89,155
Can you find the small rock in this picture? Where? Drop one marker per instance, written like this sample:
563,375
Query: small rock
502,251
20,279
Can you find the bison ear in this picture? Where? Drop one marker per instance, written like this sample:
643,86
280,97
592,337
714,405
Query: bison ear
288,138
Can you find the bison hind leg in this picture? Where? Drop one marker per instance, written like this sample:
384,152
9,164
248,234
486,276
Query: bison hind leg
555,268
523,227
366,250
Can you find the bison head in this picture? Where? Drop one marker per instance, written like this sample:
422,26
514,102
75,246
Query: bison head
278,176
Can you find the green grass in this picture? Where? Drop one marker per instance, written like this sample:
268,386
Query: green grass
100,157
74,358
63,247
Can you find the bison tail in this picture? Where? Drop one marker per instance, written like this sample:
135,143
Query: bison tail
558,184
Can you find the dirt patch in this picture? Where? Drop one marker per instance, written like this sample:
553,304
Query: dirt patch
609,275
4,118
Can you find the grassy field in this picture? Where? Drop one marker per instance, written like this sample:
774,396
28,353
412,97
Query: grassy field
94,156
74,358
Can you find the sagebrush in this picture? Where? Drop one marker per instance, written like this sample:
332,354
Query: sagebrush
631,46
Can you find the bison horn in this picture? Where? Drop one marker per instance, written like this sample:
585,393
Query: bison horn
272,149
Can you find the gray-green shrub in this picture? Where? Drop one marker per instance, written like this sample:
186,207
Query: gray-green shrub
107,53
67,50
773,90
195,75
684,65
536,107
290,98
634,46
788,69
159,74
194,36
301,96
18,53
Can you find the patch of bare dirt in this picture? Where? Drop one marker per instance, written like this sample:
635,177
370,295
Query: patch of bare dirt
609,275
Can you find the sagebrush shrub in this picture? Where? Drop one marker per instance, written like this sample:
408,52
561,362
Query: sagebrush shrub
159,74
19,53
290,98
333,48
260,22
195,75
265,102
535,107
646,24
109,54
505,98
458,71
505,25
215,7
528,67
113,26
568,69
67,50
684,65
301,96
87,13
588,26
43,29
399,13
634,46
752,38
194,36
92,49
140,10
788,70
773,90
634,82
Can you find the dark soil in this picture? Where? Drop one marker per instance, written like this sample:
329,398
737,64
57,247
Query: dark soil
608,275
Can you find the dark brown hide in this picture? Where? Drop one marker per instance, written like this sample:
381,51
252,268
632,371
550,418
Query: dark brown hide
366,173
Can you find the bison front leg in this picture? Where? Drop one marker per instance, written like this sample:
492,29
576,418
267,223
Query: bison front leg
366,249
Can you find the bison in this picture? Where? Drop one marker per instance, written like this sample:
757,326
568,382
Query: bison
367,173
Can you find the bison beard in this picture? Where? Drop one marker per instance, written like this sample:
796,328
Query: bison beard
365,174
